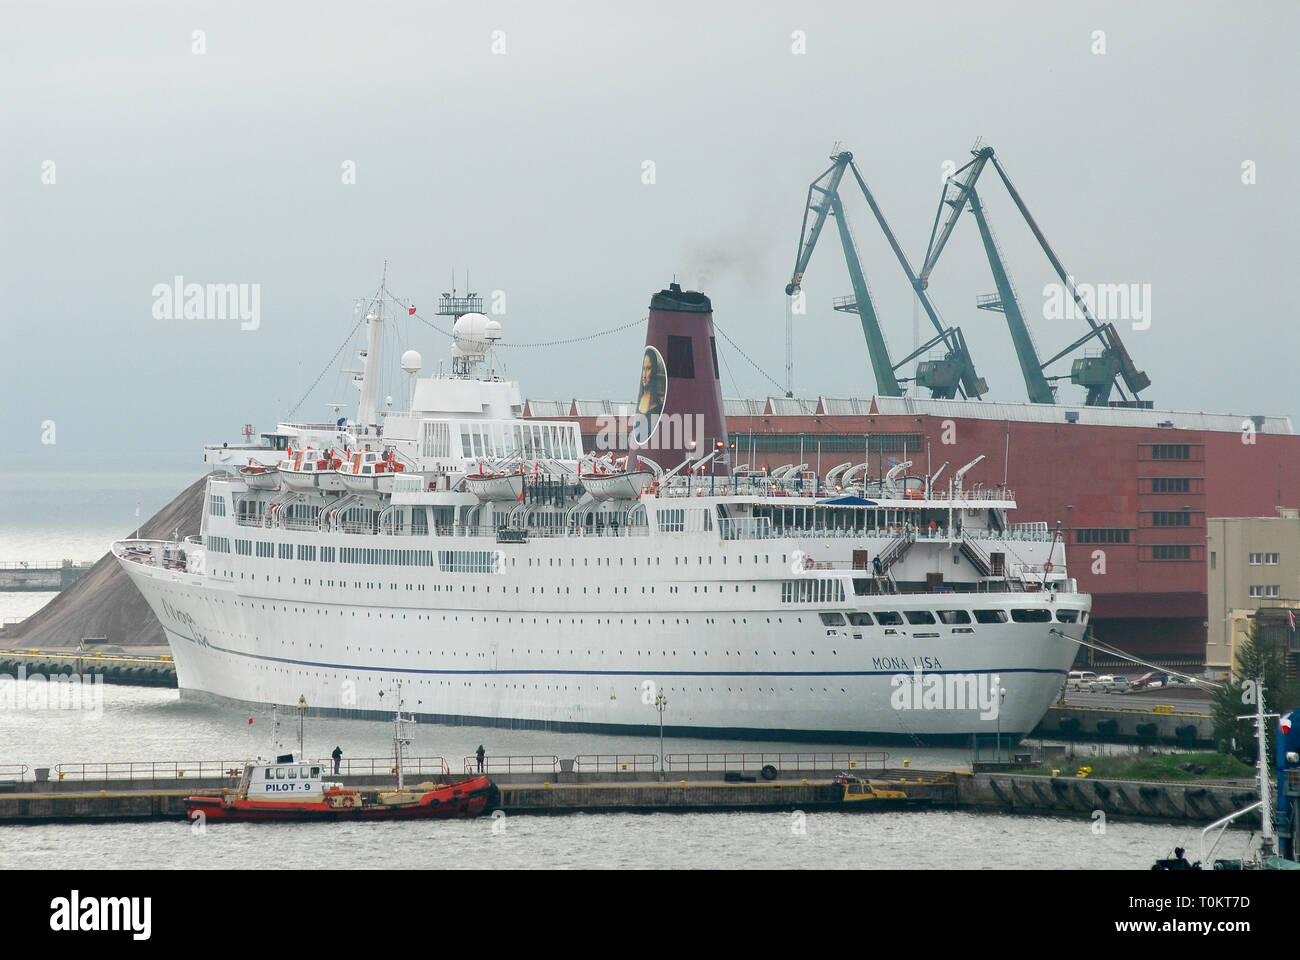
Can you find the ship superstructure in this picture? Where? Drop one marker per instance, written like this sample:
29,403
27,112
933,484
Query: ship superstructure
505,575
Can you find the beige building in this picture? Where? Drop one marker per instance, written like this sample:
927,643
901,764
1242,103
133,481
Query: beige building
1253,575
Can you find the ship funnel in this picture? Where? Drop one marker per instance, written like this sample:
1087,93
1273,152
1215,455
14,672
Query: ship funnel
679,412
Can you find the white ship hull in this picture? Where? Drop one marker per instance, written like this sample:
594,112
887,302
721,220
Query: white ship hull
524,659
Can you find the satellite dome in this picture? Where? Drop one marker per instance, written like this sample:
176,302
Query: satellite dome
412,361
475,333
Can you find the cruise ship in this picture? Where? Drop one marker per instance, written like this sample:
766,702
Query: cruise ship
501,574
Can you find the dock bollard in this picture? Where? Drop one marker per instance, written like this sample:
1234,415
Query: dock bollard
907,763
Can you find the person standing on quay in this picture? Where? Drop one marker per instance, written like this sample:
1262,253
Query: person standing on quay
480,754
337,755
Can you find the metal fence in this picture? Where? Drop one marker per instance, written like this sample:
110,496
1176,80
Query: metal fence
386,766
13,771
784,762
149,770
514,764
615,762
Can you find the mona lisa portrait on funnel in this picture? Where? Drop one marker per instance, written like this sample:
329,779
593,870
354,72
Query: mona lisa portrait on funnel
651,394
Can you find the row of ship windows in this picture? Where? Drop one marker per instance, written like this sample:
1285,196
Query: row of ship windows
455,618
452,561
473,588
612,694
892,618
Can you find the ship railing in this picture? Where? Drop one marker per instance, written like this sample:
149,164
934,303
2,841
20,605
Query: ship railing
783,762
251,520
385,767
44,564
1030,533
513,764
299,523
149,770
13,771
615,762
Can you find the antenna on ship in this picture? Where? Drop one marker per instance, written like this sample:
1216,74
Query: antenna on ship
402,736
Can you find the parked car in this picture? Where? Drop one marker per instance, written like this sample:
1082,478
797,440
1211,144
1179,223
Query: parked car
1079,679
1150,681
1109,683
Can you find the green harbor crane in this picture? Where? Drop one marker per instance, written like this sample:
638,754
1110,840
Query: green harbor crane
944,377
1097,374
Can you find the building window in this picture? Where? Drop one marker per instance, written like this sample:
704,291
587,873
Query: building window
1171,551
1171,485
1171,518
1101,535
1171,451
1267,591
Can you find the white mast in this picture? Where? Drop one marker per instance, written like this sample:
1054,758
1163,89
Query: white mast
370,373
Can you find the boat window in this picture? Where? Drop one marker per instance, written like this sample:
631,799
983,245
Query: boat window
304,772
315,772
888,618
270,774
860,619
1031,616
293,773
1067,616
990,616
919,616
279,773
833,619
954,616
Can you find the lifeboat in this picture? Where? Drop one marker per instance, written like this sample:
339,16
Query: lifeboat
490,485
260,476
288,789
606,483
367,471
310,469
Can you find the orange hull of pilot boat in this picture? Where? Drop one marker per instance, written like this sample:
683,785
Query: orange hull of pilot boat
266,794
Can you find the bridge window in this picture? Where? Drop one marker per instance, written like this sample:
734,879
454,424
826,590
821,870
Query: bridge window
1031,616
919,616
833,619
860,619
888,618
954,616
1067,616
990,616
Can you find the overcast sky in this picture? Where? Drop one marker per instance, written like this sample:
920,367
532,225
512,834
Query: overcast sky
145,141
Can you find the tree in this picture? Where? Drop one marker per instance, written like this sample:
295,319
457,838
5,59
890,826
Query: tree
1255,658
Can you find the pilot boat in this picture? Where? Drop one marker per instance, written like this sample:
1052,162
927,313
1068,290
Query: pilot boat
291,788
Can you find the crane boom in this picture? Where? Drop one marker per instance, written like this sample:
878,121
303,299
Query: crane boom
945,377
1136,379
1040,391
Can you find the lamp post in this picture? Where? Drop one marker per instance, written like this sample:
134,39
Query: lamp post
660,703
302,721
1002,696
